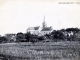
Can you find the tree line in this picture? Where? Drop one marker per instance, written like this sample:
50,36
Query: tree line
68,34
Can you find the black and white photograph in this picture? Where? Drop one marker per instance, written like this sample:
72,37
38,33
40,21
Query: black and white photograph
39,29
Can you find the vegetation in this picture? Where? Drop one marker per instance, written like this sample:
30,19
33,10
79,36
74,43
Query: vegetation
43,51
20,37
55,50
58,35
69,34
3,39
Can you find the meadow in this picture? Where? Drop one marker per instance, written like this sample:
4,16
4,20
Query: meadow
40,51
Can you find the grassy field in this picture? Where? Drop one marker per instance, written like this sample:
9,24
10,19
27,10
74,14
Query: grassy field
40,51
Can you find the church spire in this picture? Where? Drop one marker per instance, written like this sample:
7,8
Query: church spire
44,23
44,18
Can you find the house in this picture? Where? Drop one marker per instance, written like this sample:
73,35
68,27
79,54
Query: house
46,30
34,30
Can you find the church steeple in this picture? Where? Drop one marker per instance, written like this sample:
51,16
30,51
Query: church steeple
44,23
44,18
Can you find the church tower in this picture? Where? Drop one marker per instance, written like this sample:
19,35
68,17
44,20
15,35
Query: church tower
44,25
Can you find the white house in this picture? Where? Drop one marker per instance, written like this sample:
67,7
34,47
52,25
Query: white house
46,30
34,30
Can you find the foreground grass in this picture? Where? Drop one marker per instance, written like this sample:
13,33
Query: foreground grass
41,50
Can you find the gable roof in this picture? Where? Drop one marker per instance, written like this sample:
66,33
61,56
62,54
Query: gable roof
30,28
33,28
47,29
36,28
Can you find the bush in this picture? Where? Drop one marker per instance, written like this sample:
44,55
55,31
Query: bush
41,38
3,39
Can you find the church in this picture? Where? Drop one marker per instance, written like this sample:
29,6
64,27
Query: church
40,31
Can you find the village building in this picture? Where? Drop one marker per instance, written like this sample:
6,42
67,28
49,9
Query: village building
34,30
40,31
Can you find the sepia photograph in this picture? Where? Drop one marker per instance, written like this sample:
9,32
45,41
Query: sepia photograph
39,29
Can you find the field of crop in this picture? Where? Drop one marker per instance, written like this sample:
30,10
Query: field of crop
40,51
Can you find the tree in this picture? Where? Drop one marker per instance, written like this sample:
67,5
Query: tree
41,38
63,30
34,38
72,37
58,35
48,36
74,30
3,39
28,36
20,36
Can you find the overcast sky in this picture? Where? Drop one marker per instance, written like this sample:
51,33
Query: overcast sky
18,15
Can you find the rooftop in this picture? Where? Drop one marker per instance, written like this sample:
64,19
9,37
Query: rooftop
33,28
47,29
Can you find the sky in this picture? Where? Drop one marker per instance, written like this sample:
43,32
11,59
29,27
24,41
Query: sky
17,15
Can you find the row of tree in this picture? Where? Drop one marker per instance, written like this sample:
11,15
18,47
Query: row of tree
56,35
28,37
